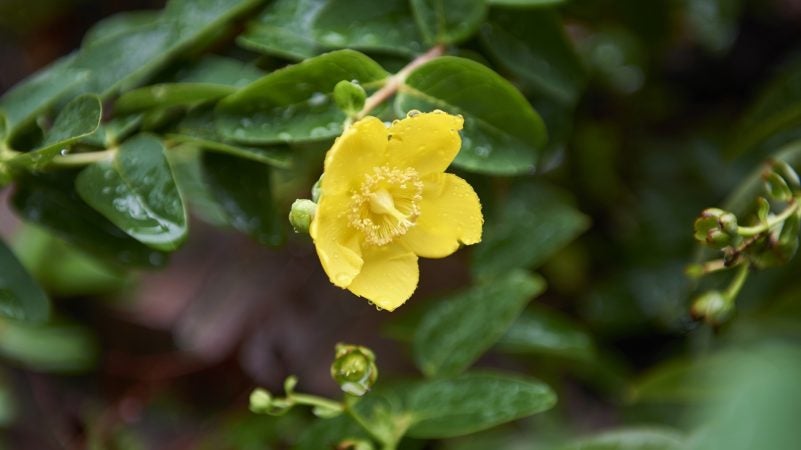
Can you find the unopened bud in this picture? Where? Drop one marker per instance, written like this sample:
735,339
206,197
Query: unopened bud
354,369
260,401
788,173
776,186
349,96
317,190
301,215
712,307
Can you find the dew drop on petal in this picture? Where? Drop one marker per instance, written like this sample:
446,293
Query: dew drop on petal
412,113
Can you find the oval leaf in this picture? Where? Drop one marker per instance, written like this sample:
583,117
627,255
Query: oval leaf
242,189
51,200
294,103
631,439
449,21
60,347
502,135
459,329
170,94
137,192
534,46
21,298
539,331
80,118
284,30
453,407
536,222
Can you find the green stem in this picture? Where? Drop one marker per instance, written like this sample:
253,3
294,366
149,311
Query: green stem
313,400
82,159
770,223
395,81
737,283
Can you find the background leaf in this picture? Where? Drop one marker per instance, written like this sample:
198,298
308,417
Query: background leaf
459,329
21,298
526,3
640,438
503,135
294,103
532,44
137,192
455,406
57,347
540,331
284,29
449,21
535,222
243,190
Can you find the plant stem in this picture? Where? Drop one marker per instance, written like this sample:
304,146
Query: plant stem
761,228
737,283
313,400
395,81
82,159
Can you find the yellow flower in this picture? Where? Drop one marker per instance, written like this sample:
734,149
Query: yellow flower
386,200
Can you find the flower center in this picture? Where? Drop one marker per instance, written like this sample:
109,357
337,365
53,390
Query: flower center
386,204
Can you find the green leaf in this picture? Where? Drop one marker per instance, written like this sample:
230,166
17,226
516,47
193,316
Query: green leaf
21,298
117,24
532,44
58,347
526,3
294,103
778,108
457,406
683,380
137,192
713,23
37,93
640,438
539,331
459,329
284,29
51,201
219,70
449,21
536,222
386,26
503,135
61,268
126,59
242,189
166,95
80,118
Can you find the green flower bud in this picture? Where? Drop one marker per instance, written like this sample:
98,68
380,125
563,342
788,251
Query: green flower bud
349,96
317,190
354,369
301,215
788,173
260,401
712,307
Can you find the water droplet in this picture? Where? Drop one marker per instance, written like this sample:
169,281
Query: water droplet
284,136
412,113
342,278
317,99
63,151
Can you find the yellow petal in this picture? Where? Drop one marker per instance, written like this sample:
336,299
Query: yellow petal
338,245
426,141
450,213
360,148
389,276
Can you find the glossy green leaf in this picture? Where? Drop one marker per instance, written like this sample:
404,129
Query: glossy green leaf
8,404
535,222
641,438
21,298
242,189
78,119
683,380
50,200
460,328
187,167
118,23
219,70
170,94
526,3
451,407
37,93
778,108
387,26
137,192
284,29
503,135
294,103
110,133
126,59
532,44
449,21
57,347
540,331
